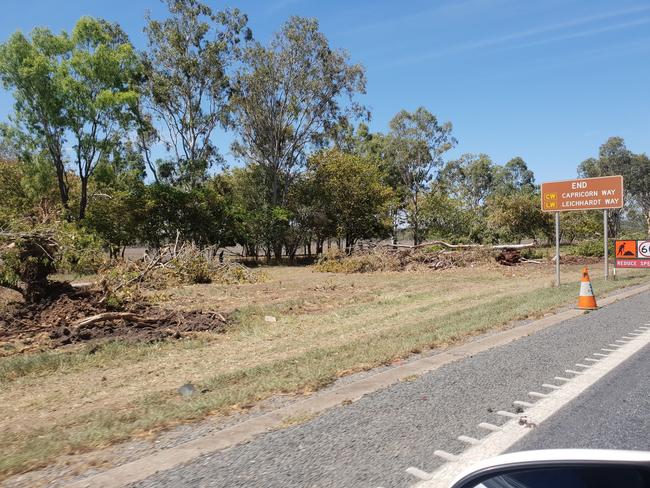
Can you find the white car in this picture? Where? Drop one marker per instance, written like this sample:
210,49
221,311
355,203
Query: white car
560,468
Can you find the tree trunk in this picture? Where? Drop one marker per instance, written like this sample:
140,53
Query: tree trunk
277,251
83,199
349,244
416,224
63,187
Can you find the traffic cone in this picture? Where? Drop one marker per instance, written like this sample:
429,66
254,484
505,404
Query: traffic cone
587,300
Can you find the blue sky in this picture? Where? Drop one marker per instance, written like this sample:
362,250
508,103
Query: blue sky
545,80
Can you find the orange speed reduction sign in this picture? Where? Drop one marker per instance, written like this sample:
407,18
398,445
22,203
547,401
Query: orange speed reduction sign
633,254
583,194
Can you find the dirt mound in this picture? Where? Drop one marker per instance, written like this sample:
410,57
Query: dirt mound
80,316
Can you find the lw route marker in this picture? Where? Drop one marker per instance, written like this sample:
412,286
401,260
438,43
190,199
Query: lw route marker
601,193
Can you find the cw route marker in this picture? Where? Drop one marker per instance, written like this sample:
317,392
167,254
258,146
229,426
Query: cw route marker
601,193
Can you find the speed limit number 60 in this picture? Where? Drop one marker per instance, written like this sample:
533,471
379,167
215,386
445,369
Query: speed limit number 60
644,249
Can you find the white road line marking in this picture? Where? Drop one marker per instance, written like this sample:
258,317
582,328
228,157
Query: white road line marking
469,440
580,365
552,387
511,432
561,378
447,456
628,338
608,350
418,473
522,404
537,394
635,333
592,360
488,426
646,326
615,345
622,342
600,354
503,413
572,372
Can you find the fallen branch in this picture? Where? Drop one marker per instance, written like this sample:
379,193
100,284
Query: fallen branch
106,316
460,246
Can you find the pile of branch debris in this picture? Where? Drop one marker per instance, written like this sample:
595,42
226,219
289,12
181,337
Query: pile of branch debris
173,266
54,314
433,255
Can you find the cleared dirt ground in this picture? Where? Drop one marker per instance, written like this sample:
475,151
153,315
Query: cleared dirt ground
326,325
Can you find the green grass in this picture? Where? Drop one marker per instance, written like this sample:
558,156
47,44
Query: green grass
306,371
88,356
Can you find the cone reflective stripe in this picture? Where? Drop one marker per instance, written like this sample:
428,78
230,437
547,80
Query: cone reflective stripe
586,300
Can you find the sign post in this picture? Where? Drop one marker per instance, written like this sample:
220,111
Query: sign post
605,238
557,249
600,193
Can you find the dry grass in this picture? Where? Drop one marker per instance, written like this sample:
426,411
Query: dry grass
327,325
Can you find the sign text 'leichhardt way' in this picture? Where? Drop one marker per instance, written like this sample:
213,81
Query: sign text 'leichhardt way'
583,194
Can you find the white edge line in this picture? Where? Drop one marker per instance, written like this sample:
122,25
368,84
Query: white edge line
418,473
447,456
510,432
468,439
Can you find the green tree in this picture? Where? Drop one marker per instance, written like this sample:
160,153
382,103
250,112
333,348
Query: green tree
415,146
287,97
517,215
203,215
74,89
514,176
357,199
471,179
637,182
581,225
187,78
445,217
614,158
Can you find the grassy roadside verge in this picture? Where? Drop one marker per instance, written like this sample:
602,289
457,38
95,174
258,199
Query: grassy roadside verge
408,323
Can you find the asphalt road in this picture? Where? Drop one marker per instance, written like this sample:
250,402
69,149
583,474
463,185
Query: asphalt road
612,414
371,442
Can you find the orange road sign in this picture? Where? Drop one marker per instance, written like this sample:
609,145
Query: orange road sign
625,250
583,194
632,254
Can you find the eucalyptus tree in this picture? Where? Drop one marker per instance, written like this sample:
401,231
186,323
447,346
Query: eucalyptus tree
614,158
639,184
73,95
470,179
287,97
187,71
416,143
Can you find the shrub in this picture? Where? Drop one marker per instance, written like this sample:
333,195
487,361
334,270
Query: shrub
590,248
